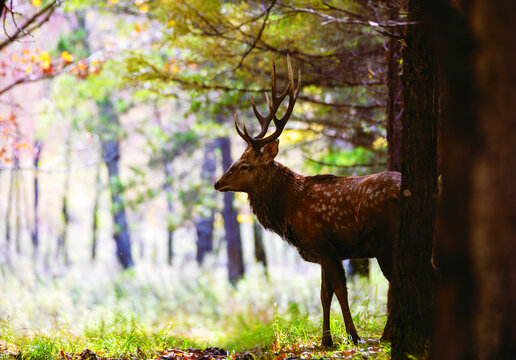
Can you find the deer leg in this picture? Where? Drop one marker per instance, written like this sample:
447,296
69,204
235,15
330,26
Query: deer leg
326,297
334,271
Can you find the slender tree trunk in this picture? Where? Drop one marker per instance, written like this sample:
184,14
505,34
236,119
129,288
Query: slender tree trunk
412,308
204,225
35,231
170,208
18,202
259,248
234,241
9,210
111,157
477,215
95,222
62,248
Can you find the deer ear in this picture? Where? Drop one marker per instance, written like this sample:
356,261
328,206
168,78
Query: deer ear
270,150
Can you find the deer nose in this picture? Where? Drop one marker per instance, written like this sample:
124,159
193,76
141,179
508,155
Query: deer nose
217,185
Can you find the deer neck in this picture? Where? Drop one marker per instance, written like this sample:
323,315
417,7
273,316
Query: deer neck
274,198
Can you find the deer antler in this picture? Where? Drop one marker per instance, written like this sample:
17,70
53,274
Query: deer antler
259,140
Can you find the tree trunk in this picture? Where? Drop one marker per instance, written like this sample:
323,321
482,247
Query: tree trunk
170,208
412,309
35,231
204,225
259,248
62,250
111,157
477,217
95,222
234,241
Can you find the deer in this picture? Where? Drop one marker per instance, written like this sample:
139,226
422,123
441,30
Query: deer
327,218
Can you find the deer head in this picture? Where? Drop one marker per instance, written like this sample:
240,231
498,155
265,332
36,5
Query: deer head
261,150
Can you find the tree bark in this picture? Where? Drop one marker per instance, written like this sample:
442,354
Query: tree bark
233,239
413,274
111,157
477,215
204,225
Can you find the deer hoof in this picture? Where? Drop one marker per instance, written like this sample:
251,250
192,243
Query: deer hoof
355,338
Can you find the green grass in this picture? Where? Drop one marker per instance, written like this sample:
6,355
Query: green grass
153,308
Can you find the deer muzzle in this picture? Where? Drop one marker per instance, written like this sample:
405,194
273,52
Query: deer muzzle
220,186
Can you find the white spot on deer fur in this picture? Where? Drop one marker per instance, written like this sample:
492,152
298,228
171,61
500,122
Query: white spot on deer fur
323,207
300,214
327,193
348,197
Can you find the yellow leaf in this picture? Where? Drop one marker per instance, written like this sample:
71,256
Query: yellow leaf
171,23
44,57
28,69
66,56
36,2
144,8
112,2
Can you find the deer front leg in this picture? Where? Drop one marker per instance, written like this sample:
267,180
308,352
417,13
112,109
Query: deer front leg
334,272
326,297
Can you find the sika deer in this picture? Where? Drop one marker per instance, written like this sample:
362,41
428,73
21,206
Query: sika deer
326,217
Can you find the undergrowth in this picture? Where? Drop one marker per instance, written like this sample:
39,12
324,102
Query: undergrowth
148,309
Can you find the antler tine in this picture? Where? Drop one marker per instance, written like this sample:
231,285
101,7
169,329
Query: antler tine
244,135
259,140
280,123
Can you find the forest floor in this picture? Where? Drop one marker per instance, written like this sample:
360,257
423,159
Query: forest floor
158,312
366,349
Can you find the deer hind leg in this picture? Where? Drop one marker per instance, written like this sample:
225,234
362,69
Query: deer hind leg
334,272
326,297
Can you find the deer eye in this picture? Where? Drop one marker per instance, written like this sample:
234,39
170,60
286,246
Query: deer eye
244,167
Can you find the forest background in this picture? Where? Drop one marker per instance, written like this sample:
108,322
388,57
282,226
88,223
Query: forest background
117,116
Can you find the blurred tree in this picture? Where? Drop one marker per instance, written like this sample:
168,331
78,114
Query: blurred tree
412,309
95,215
474,249
38,145
259,247
231,225
110,143
204,224
62,238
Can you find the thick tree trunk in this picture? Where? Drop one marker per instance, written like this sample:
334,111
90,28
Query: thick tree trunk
35,230
111,157
412,308
234,241
204,225
477,217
